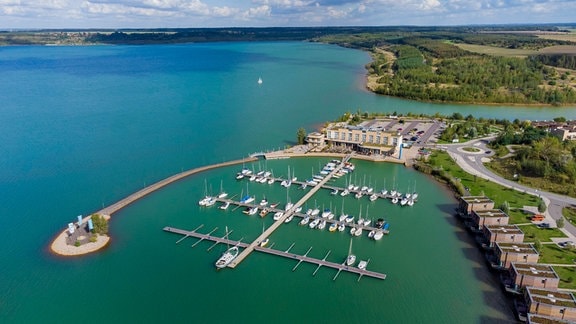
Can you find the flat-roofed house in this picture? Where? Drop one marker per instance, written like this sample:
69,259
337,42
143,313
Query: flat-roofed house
502,234
533,275
488,217
467,204
549,303
506,253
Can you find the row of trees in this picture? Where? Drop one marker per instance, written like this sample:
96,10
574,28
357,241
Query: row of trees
472,78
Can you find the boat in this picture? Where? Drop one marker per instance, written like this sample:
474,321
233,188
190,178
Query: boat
270,180
305,220
322,224
358,231
314,223
239,176
353,230
264,241
315,212
333,227
252,211
358,195
222,194
278,215
341,227
260,81
373,197
345,192
371,233
274,205
289,219
327,213
410,202
264,212
351,258
303,186
395,200
204,201
227,257
288,206
362,265
403,201
264,202
334,192
225,205
349,219
378,235
210,202
298,209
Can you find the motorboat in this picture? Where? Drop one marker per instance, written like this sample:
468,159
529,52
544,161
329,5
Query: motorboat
378,235
358,231
371,233
345,192
289,219
334,192
314,223
362,265
264,212
227,257
288,206
305,220
264,202
349,219
373,197
333,227
341,227
264,242
225,205
322,224
278,215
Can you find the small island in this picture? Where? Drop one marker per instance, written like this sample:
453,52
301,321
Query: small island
87,235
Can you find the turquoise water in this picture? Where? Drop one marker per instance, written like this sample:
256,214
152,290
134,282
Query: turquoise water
82,127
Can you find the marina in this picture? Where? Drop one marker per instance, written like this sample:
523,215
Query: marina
286,254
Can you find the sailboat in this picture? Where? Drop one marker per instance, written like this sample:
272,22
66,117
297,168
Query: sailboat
351,258
227,257
266,240
222,193
260,81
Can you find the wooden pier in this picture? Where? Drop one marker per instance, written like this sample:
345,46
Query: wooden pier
289,212
286,254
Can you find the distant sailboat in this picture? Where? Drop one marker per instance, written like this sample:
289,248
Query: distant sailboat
260,81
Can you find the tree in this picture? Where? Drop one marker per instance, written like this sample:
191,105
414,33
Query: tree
538,245
505,207
560,222
100,224
301,136
542,206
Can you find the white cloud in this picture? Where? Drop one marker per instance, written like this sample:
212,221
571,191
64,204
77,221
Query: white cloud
205,13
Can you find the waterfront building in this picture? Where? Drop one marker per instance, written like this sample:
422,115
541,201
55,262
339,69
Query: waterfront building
550,304
531,275
372,137
506,253
467,204
502,234
542,319
488,217
315,139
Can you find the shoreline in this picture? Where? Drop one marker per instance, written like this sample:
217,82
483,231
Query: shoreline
59,246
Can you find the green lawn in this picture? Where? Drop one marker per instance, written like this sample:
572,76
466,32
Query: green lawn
552,253
570,214
471,149
567,277
479,186
533,232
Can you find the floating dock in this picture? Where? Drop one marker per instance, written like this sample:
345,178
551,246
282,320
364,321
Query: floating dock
286,254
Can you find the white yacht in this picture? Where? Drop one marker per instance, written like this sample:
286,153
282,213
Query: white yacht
362,265
227,257
305,220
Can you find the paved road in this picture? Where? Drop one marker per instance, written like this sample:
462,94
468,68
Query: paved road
472,163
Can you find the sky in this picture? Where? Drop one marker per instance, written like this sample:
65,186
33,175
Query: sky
33,14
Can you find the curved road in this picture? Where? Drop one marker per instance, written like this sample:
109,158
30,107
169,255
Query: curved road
472,163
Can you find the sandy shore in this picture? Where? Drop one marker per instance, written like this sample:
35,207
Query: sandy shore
60,247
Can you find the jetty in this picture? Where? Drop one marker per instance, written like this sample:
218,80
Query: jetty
59,245
286,254
289,212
